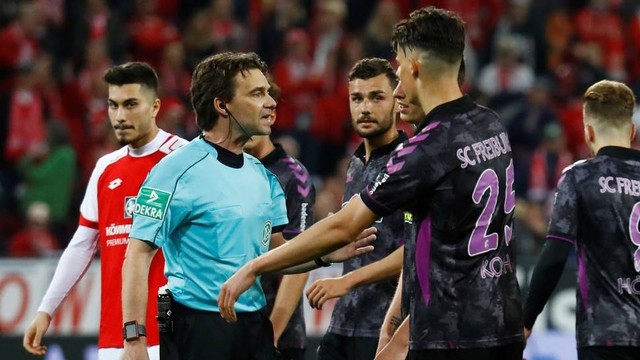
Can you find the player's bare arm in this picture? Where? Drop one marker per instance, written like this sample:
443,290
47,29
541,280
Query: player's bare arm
328,235
325,289
135,271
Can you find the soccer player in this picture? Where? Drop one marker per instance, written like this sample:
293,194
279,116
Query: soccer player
597,211
212,208
106,212
283,293
368,282
456,176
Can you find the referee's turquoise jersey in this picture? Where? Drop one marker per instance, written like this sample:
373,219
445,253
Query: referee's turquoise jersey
210,219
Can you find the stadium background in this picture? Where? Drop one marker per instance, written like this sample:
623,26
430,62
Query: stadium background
530,60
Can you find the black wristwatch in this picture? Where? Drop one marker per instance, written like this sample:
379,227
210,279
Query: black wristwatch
132,331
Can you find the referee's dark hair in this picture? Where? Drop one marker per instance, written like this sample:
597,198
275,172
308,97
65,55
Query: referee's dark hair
214,77
134,72
368,68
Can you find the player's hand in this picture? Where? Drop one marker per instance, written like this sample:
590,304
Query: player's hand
393,350
135,350
322,290
358,247
527,333
33,335
232,289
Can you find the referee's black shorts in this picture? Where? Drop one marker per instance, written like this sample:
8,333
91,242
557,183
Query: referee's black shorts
202,335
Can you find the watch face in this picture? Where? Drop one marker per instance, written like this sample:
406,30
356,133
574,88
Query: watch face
130,331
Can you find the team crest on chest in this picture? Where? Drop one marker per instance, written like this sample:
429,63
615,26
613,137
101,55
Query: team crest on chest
129,206
266,233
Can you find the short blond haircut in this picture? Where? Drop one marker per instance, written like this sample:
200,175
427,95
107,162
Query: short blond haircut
609,103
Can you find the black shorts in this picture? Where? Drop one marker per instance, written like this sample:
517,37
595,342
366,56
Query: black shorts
609,353
504,352
202,335
338,347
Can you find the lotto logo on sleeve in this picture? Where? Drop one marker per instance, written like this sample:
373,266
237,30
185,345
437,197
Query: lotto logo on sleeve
152,203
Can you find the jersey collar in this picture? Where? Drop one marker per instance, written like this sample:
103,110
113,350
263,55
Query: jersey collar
446,110
620,152
150,147
382,150
277,154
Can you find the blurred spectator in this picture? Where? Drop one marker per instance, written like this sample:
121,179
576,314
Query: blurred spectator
597,23
519,24
329,198
549,159
35,240
25,112
377,36
173,73
506,73
173,118
19,42
197,38
149,33
298,85
227,33
558,34
48,173
526,123
91,22
283,16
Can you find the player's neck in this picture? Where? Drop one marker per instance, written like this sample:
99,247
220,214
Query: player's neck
226,137
600,143
371,144
431,94
145,139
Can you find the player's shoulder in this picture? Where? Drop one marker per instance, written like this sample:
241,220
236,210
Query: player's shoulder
579,165
111,158
172,143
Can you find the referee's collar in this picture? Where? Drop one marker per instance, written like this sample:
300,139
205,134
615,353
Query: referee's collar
446,110
225,156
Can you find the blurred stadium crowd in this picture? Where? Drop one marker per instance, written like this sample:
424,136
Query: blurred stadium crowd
530,60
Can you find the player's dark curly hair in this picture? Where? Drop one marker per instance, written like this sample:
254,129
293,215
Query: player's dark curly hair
134,72
368,68
437,31
214,77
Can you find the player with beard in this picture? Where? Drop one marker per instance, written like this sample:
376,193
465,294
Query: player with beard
106,212
368,281
456,177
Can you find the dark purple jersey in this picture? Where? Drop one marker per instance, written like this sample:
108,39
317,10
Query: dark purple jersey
360,312
456,177
597,208
300,197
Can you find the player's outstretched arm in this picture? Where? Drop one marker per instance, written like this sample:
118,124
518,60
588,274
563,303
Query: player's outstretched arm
73,263
385,268
325,236
135,277
398,347
393,319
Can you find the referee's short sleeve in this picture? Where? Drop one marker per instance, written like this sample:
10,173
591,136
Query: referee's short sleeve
278,202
